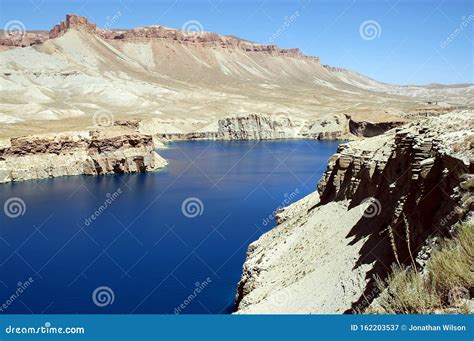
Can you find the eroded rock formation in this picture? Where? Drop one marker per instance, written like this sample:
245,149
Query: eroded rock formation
9,40
74,153
161,32
257,127
382,200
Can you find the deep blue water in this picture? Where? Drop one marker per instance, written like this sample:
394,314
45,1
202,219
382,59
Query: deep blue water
141,245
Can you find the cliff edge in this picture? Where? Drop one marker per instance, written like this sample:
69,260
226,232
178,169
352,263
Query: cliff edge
383,200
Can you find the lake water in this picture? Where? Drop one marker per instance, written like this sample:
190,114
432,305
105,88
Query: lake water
173,241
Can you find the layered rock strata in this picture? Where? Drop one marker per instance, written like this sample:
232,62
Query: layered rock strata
256,127
74,153
383,200
181,36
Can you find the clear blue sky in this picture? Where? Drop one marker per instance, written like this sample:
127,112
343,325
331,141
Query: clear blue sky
409,48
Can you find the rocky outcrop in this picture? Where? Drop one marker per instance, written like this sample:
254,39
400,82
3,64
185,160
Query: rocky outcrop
383,200
72,21
370,129
255,127
181,36
9,40
74,153
258,127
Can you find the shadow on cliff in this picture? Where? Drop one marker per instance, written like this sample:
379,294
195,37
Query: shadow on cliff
407,205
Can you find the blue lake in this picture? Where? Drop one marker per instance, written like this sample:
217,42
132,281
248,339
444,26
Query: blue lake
168,242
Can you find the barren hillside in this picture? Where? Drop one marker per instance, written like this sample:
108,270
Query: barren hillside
83,76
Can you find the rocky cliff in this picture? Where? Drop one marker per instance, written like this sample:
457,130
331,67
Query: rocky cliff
255,127
383,200
192,81
88,152
161,32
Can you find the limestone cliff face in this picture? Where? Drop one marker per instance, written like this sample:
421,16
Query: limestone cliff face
389,197
75,153
257,127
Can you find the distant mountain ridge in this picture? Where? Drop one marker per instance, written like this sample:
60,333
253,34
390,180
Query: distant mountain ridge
188,82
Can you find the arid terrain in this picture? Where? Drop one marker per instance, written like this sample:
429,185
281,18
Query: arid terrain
78,76
83,100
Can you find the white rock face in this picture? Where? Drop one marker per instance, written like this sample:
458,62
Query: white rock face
323,256
304,265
